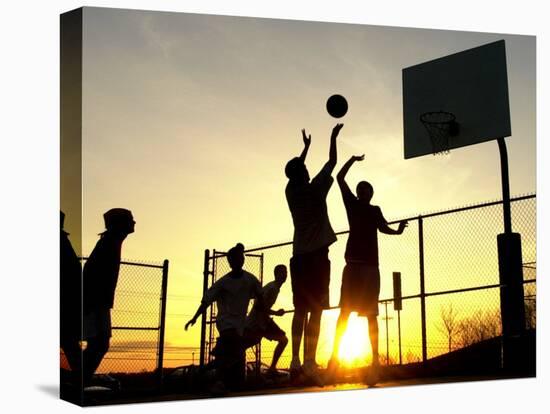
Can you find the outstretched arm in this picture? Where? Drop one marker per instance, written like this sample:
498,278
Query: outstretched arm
332,155
384,228
307,143
341,176
199,312
279,312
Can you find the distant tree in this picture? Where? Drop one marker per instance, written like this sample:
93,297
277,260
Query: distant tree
530,295
478,327
530,312
411,357
388,360
449,324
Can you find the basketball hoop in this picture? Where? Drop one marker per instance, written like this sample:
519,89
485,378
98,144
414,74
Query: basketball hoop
441,127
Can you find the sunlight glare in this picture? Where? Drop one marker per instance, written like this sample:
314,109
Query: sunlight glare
355,345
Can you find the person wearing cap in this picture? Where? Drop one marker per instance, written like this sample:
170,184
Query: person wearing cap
309,265
232,294
100,276
70,303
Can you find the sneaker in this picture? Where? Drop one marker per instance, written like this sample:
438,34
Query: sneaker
373,375
332,369
311,372
274,373
295,370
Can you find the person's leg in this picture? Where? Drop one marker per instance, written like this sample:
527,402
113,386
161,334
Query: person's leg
281,345
93,355
298,319
341,326
230,360
297,330
373,336
240,362
318,278
373,278
73,353
251,337
373,373
310,342
312,334
221,352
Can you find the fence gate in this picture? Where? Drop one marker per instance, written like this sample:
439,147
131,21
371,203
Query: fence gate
139,320
216,266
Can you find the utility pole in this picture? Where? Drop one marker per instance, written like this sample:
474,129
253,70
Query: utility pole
387,318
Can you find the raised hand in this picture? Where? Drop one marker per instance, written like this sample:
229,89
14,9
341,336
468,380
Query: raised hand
190,323
306,138
358,157
336,130
402,225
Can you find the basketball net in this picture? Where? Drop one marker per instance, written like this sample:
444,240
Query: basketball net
441,127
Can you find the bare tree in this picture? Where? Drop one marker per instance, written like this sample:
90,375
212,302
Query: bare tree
449,324
530,313
530,295
479,327
411,357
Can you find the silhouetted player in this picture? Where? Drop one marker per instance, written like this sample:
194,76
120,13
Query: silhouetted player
259,324
100,277
309,265
70,303
232,294
361,278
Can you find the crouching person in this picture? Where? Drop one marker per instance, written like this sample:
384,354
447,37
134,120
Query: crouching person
259,323
232,294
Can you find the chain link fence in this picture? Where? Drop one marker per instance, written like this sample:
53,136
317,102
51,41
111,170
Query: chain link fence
457,252
136,344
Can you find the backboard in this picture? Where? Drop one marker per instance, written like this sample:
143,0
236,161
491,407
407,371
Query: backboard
472,85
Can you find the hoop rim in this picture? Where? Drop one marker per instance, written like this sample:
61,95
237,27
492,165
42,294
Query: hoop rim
450,120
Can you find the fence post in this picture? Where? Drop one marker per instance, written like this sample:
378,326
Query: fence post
162,327
259,346
422,288
205,273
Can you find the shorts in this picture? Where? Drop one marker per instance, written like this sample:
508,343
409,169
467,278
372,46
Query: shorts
272,332
310,278
97,323
360,289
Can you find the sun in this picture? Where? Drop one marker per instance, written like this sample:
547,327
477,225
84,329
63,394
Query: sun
355,346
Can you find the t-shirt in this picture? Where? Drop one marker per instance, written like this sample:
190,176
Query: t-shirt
258,316
100,273
232,294
308,206
364,221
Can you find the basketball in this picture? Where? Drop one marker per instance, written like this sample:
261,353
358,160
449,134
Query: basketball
337,106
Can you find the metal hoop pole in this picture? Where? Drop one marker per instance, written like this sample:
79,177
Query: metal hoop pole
505,185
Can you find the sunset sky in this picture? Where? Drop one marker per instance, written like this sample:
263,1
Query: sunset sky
188,121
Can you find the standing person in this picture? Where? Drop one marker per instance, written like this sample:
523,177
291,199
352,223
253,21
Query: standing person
100,276
232,294
361,277
309,265
260,325
70,303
